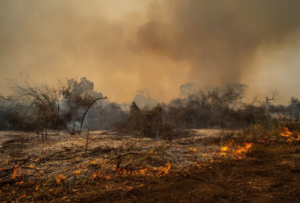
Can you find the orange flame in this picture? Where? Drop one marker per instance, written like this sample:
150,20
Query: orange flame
298,136
104,162
225,149
286,133
22,196
77,172
168,167
21,182
236,151
94,176
93,162
193,150
60,178
140,172
16,173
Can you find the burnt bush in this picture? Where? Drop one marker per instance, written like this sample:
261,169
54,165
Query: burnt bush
149,122
47,107
217,107
65,107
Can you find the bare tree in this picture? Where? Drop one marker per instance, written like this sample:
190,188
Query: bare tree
47,102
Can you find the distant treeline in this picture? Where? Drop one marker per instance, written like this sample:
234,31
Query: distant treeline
63,106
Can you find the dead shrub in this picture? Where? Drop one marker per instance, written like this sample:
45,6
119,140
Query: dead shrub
148,122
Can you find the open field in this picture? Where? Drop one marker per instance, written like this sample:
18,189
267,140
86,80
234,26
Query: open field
203,165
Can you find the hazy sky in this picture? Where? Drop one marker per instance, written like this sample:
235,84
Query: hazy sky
123,46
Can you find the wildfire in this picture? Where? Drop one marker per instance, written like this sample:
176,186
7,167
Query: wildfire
235,151
16,173
141,172
94,176
103,163
60,178
77,172
93,162
286,133
225,149
193,150
166,169
22,197
21,182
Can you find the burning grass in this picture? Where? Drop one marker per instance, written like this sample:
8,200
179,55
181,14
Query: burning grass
235,151
290,136
130,169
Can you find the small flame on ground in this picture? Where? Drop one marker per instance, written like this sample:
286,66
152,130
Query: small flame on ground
193,149
22,196
77,172
94,176
60,178
93,162
16,173
21,182
104,162
168,167
235,151
141,172
224,149
286,133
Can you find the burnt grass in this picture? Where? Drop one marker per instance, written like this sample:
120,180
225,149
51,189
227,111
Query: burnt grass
269,173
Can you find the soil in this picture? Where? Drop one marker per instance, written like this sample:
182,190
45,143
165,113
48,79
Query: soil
268,172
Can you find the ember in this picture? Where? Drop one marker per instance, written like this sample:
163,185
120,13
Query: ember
77,172
16,173
60,178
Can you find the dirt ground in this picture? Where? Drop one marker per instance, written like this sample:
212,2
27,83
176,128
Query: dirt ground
124,168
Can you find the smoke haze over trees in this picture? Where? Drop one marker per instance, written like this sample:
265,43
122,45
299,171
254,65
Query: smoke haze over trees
157,45
64,105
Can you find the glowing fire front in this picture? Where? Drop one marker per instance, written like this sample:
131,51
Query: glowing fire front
141,172
231,149
235,151
17,172
290,136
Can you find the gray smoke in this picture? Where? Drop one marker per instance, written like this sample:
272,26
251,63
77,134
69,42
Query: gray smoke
218,38
123,46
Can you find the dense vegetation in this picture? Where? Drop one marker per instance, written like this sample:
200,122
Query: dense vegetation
63,107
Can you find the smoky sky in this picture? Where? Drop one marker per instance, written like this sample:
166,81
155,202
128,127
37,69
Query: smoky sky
124,46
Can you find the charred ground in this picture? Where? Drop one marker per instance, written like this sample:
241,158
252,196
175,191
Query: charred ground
122,168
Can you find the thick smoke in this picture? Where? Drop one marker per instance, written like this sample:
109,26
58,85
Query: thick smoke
123,46
218,38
